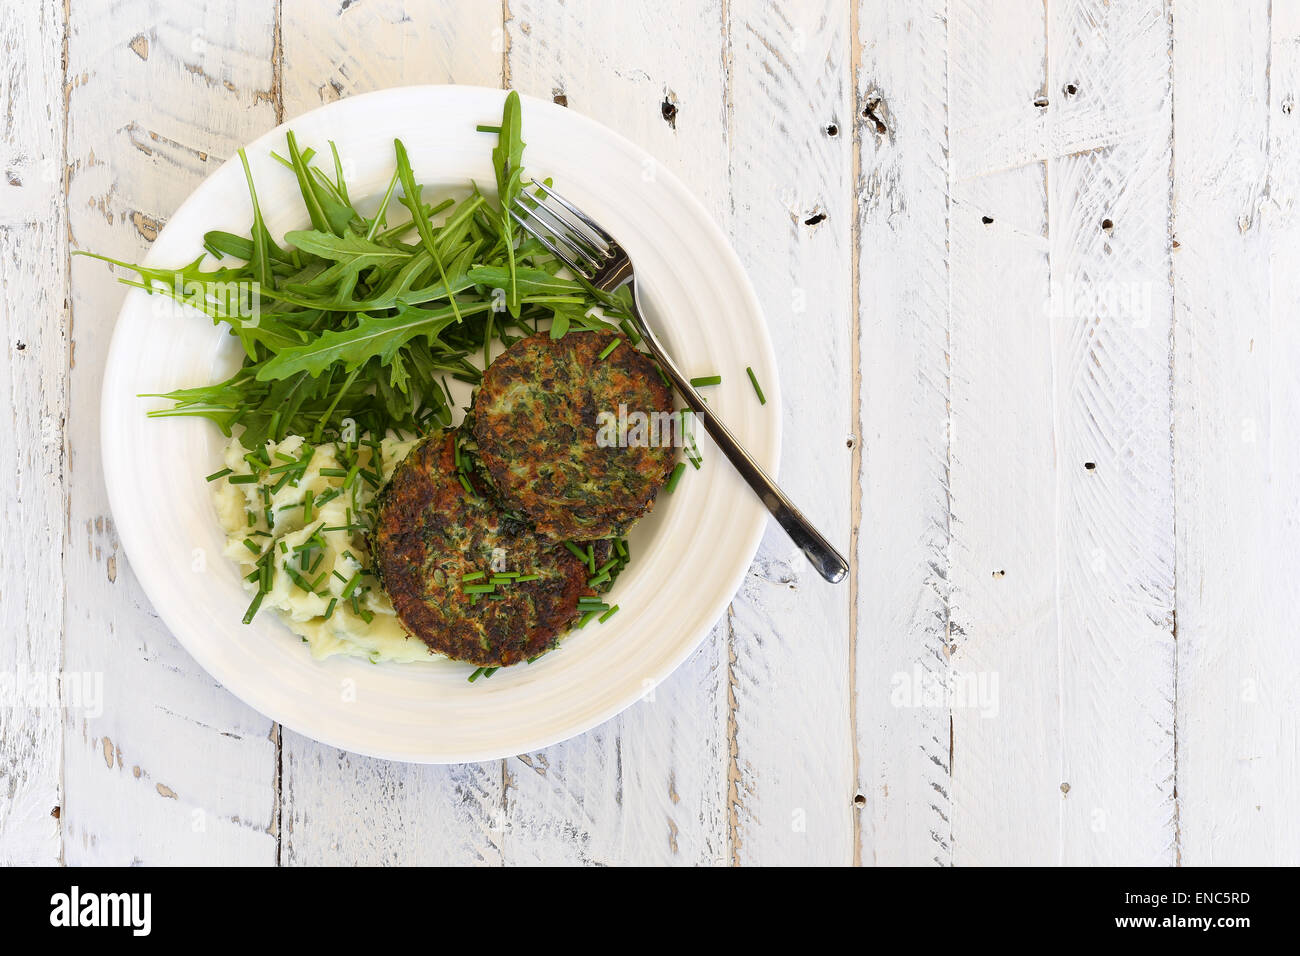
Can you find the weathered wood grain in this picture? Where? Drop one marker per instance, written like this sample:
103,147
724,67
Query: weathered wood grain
34,346
1061,469
1237,398
791,219
175,770
903,288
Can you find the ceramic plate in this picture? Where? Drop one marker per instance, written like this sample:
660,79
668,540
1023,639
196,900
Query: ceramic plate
690,555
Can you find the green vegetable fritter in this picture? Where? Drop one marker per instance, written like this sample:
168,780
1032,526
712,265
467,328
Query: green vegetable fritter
472,582
576,433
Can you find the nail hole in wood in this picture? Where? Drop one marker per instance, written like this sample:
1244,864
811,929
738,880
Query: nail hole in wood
814,219
560,98
999,574
851,441
1041,102
860,800
1090,465
669,110
872,113
832,130
1071,89
987,220
21,346
55,812
1107,226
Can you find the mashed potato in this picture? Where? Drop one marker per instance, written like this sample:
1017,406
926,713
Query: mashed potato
312,547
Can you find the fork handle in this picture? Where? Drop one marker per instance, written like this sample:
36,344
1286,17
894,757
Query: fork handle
829,563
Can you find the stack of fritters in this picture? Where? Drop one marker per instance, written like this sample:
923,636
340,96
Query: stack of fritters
541,478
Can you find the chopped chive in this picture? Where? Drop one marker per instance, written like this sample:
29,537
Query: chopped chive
219,474
675,477
251,545
243,479
587,618
591,558
598,579
328,497
484,128
306,505
351,585
479,588
252,608
527,577
608,614
577,551
758,389
475,676
465,482
630,331
329,608
621,547
496,579
301,582
610,347
472,576
488,672
705,380
334,472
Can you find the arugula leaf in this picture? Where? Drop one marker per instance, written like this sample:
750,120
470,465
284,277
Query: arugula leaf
373,336
507,159
411,199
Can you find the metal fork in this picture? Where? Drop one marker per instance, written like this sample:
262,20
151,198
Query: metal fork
589,251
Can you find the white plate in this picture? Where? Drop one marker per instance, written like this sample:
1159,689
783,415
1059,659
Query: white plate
690,555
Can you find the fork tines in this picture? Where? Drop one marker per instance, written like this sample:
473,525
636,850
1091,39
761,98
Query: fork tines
564,230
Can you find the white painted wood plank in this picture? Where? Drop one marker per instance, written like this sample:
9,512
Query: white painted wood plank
1109,214
33,379
1002,456
791,220
651,786
1060,354
1237,77
412,814
901,271
175,770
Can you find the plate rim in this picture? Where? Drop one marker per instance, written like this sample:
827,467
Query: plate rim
267,704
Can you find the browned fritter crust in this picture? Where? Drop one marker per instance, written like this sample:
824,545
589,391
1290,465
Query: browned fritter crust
535,422
429,533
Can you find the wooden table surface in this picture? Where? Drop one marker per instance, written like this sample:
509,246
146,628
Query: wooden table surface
1031,273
